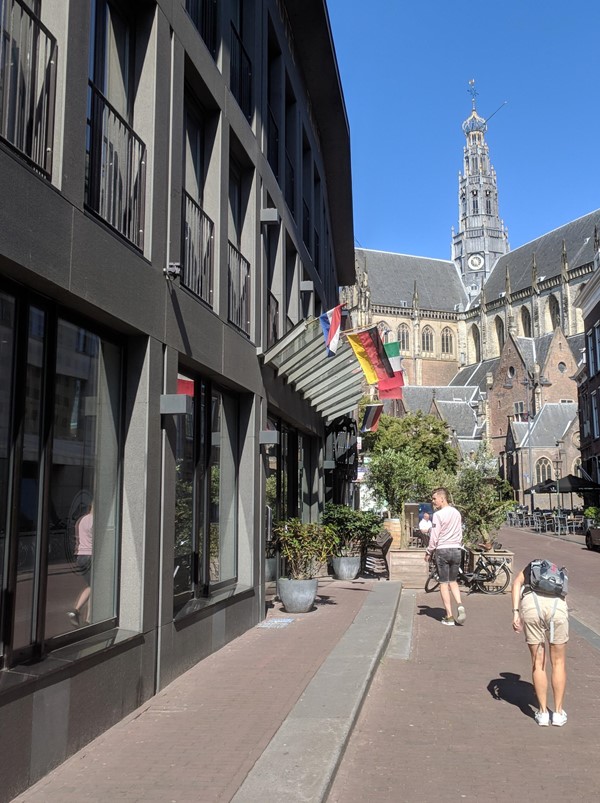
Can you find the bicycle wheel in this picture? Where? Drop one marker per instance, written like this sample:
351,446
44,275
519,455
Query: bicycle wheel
496,584
433,582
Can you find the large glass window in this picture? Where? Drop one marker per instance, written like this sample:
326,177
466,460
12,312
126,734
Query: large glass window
427,340
206,491
404,337
543,470
59,461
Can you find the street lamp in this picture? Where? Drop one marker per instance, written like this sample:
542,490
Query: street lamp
557,469
531,382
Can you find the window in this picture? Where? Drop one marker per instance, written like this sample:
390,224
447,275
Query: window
427,339
384,332
488,206
204,17
206,455
595,422
520,414
554,311
65,501
404,337
591,358
475,344
543,470
596,348
447,341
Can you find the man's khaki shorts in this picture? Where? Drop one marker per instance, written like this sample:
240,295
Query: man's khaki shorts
538,629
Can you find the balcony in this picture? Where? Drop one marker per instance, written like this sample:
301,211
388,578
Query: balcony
241,74
28,55
115,170
290,187
204,16
239,290
197,260
273,143
272,320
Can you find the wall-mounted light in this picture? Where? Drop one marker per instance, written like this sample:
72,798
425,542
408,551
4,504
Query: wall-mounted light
268,437
172,271
270,216
176,404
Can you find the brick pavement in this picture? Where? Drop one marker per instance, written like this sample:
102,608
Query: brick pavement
454,721
198,738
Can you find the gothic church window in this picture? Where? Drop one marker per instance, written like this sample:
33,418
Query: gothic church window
447,341
525,322
427,339
499,332
403,337
543,470
475,344
475,206
384,331
554,312
488,206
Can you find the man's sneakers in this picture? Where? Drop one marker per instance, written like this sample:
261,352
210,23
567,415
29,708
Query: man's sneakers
543,718
461,615
559,718
448,620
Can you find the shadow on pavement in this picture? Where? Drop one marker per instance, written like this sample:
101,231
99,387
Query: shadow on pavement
511,689
434,613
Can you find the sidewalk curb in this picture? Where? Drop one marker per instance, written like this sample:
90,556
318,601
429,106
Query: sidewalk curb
300,762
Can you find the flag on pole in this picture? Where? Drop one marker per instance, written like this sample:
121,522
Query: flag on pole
371,417
392,388
331,323
370,353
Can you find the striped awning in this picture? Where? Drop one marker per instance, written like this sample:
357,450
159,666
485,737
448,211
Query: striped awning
332,385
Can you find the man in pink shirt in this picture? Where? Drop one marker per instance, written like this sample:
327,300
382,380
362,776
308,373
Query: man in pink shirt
446,542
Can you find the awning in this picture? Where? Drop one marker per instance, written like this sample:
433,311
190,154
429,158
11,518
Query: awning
332,385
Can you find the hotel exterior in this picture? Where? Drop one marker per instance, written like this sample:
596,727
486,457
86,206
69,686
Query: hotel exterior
176,212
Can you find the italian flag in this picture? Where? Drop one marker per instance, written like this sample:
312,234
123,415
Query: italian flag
392,388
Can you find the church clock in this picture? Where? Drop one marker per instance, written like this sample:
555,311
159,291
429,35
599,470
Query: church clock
475,262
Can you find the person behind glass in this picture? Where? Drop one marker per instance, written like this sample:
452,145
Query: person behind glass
84,531
446,542
543,617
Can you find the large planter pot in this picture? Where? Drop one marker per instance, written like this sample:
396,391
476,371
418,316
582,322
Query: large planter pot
297,596
346,568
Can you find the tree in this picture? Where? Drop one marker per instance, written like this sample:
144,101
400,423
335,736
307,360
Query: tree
395,477
421,435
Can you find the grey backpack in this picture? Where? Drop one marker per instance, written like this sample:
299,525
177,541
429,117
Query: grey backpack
547,579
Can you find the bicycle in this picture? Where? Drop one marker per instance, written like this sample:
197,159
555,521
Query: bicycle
490,574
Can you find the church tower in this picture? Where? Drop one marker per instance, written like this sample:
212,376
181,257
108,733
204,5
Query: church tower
481,238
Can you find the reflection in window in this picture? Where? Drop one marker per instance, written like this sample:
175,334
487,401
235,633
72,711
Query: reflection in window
7,324
185,462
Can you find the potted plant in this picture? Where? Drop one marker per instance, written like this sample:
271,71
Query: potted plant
304,545
353,530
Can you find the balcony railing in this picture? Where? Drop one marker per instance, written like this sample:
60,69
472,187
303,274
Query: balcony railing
241,74
197,261
204,17
272,320
290,187
239,290
28,55
116,169
273,144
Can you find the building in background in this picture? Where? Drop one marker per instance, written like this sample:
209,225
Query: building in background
177,210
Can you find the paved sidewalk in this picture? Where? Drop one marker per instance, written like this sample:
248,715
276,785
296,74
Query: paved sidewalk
454,722
285,696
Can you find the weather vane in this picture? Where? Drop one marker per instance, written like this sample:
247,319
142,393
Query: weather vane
472,91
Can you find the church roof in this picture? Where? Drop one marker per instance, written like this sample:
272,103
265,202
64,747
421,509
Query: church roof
420,397
392,280
550,424
534,349
577,344
459,416
579,242
476,374
468,445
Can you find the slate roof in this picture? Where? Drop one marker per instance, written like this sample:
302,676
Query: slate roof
392,280
534,349
476,374
579,241
550,424
468,445
519,431
577,344
459,416
420,397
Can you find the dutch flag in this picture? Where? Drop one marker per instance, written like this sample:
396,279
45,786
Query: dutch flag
331,322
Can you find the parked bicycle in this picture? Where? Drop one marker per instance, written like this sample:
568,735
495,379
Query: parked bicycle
490,574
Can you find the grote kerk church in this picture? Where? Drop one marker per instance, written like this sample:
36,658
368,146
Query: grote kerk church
492,341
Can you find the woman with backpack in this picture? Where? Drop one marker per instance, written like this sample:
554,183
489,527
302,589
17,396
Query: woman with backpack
539,609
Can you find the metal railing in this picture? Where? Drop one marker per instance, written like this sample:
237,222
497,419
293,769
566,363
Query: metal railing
272,320
116,169
198,259
239,290
204,17
290,186
241,74
28,55
273,143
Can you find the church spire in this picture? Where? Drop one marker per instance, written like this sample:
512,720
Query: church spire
481,237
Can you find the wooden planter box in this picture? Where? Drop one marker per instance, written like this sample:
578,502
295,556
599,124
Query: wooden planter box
408,566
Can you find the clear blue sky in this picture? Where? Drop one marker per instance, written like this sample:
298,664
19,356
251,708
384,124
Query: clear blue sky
405,68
